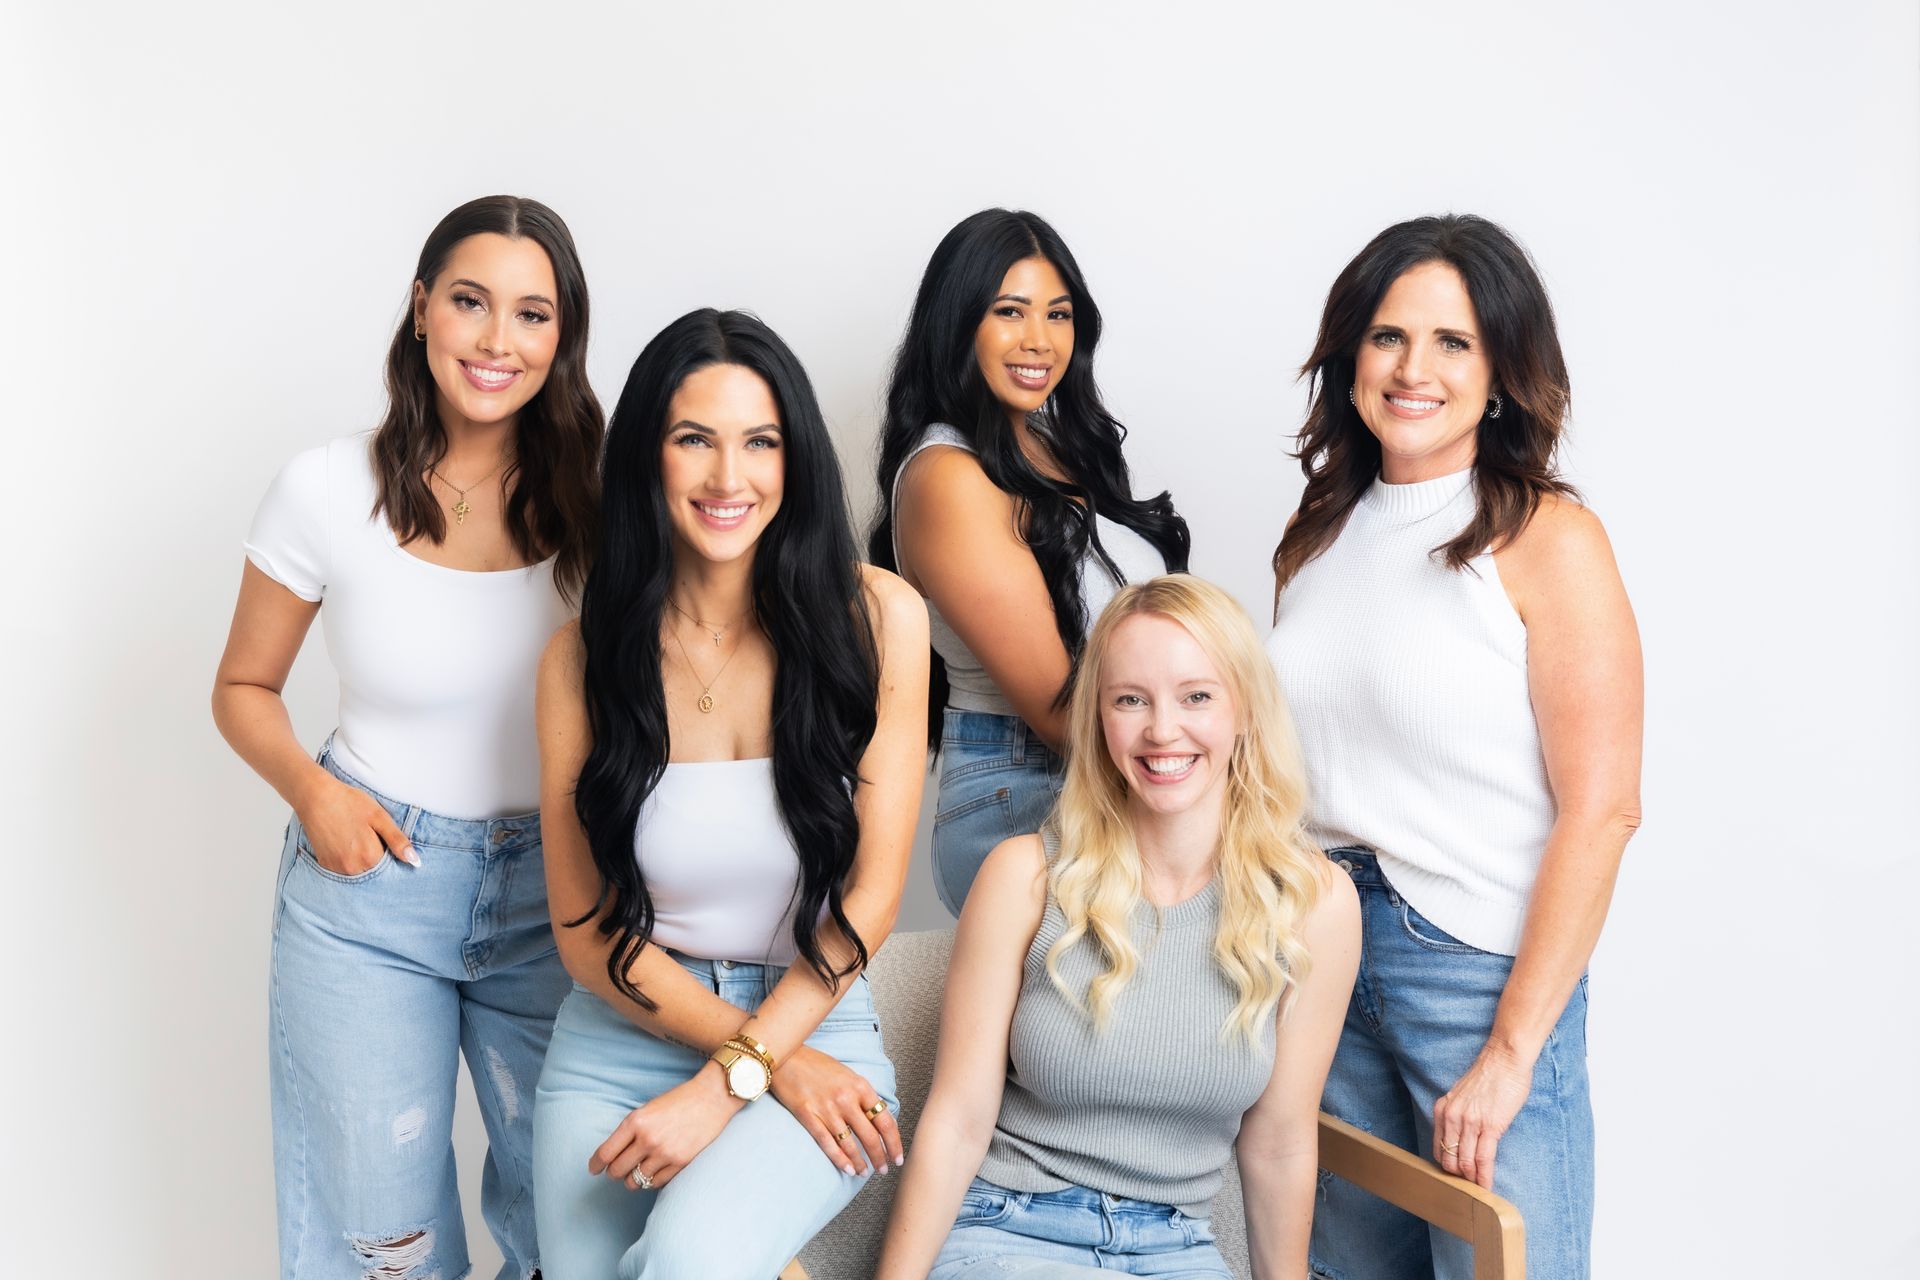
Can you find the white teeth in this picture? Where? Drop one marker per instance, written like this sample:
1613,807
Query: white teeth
1416,405
1169,764
495,376
1032,374
721,513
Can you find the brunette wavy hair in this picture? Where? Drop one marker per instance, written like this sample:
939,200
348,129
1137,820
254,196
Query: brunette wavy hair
937,379
1514,466
555,490
809,598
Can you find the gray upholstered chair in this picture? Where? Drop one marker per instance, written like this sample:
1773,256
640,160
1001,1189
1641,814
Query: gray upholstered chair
909,978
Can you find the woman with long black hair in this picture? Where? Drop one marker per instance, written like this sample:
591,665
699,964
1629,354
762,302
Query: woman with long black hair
731,765
440,553
1010,508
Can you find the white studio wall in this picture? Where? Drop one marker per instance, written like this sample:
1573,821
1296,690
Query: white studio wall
211,219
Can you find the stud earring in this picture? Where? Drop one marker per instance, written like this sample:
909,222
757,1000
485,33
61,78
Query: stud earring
1498,405
1350,399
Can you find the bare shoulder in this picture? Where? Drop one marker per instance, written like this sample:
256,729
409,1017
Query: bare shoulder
1337,909
897,610
565,658
1014,875
1562,553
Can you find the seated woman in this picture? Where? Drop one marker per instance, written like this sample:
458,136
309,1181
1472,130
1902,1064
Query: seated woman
731,757
1010,508
1159,974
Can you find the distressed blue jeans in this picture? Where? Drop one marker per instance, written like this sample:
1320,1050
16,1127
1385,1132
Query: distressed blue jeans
998,780
379,981
1422,1007
1073,1233
745,1204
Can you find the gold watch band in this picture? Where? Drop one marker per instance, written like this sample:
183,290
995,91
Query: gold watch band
754,1047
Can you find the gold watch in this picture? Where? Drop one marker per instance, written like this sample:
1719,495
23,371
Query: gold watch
746,1066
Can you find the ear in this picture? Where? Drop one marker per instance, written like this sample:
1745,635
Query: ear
419,305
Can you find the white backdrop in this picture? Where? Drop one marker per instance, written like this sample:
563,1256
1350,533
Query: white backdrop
211,216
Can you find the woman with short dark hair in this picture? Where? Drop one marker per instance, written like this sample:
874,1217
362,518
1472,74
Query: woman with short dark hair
1460,656
731,769
411,920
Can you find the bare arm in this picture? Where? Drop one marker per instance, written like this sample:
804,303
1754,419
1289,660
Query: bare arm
1584,675
996,927
347,828
1279,1147
960,546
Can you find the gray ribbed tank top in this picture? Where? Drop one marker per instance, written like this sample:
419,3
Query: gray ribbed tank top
1150,1106
969,688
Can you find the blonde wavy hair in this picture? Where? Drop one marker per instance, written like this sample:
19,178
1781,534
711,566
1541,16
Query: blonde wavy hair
1269,872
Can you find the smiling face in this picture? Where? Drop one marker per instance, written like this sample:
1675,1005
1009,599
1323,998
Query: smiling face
492,327
722,462
1025,340
1421,378
1167,713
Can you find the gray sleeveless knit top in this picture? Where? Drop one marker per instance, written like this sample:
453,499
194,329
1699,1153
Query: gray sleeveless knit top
1148,1107
969,688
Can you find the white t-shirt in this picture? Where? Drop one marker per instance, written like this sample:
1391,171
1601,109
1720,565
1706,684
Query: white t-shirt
436,665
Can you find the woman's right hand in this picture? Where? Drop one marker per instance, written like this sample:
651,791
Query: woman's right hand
831,1099
349,831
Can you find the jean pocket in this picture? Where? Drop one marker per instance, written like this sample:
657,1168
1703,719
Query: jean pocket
303,852
1426,933
985,1206
855,1010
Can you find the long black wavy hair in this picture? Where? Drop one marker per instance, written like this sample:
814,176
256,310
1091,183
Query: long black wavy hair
937,378
809,598
555,484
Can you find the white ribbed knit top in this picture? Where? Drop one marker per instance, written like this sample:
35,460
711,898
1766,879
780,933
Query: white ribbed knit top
1408,682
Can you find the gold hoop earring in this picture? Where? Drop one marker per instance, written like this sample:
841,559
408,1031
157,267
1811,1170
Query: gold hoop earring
419,332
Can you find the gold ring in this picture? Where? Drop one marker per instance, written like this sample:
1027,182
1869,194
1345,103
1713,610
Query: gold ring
1449,1148
642,1181
877,1110
844,1134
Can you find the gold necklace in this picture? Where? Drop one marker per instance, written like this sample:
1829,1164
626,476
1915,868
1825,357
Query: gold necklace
705,701
704,625
461,507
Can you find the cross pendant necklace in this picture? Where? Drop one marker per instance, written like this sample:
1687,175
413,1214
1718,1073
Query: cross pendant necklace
461,506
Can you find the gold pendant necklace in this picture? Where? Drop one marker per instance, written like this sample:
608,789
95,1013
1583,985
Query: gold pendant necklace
705,701
708,627
461,507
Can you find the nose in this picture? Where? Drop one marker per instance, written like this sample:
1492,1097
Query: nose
1413,363
497,338
725,475
1163,726
1033,334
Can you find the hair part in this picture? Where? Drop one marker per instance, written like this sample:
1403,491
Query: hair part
809,598
554,476
937,379
1270,873
1515,467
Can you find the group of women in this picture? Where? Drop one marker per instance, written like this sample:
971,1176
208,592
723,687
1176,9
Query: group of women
633,862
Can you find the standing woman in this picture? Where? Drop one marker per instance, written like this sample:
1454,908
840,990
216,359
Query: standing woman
731,766
1153,983
1011,510
411,920
1460,656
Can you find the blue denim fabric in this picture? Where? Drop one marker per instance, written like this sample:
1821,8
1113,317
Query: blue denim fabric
1060,1235
1421,1010
380,980
745,1205
998,780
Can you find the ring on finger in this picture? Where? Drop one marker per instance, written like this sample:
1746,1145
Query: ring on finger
844,1134
641,1181
878,1109
1449,1147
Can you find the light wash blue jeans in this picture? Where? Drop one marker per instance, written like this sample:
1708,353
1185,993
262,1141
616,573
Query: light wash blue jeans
745,1205
1421,1009
379,981
998,780
1064,1235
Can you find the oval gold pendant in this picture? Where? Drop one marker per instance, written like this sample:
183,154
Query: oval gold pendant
706,702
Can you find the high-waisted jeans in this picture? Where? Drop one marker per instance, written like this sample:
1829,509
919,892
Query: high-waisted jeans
1422,1008
998,780
745,1205
380,980
1071,1233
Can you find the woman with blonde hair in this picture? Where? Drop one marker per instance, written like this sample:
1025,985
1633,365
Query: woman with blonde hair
1158,975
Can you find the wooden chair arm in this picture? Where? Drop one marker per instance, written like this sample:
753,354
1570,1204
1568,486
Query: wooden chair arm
1486,1221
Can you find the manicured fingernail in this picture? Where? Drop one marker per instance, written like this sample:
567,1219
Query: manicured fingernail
847,1169
900,1159
407,855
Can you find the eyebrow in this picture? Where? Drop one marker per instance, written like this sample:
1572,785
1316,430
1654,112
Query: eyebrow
1026,301
688,424
1438,333
530,297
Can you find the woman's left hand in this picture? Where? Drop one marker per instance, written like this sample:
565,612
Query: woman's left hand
661,1138
1470,1119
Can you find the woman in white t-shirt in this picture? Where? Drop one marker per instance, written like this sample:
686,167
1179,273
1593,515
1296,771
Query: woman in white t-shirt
411,919
731,765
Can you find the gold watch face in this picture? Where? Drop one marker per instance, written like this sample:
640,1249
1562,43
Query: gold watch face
746,1077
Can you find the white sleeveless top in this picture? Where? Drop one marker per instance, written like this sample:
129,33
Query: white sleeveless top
969,687
1408,683
436,665
719,863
